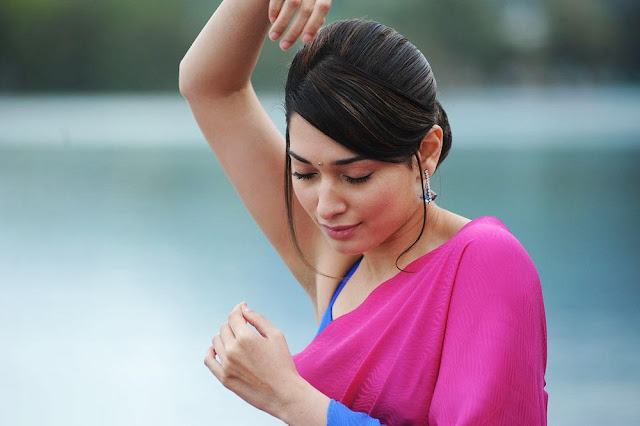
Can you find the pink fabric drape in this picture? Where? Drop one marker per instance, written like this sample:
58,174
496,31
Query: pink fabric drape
462,341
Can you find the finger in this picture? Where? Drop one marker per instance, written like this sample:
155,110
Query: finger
220,349
316,20
274,9
226,335
212,363
288,9
299,22
237,323
264,327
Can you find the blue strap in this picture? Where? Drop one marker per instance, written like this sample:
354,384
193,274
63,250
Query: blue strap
328,315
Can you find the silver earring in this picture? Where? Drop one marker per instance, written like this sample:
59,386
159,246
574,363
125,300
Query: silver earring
427,194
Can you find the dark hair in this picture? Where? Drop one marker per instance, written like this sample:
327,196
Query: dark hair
368,88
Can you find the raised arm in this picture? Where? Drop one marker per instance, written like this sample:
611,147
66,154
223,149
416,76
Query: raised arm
215,79
223,56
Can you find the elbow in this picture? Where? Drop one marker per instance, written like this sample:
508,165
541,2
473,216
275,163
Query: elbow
193,84
185,80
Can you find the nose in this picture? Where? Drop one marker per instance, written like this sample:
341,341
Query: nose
330,201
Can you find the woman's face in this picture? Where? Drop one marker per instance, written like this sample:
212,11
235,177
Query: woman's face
359,204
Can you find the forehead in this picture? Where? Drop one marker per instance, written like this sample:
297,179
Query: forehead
307,140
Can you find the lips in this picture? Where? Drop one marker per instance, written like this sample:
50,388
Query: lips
340,232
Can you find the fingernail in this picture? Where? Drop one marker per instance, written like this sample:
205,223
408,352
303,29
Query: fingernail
284,45
273,35
246,308
306,38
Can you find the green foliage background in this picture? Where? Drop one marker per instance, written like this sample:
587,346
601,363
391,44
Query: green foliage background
120,45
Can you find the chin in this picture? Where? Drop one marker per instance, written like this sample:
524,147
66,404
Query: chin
351,248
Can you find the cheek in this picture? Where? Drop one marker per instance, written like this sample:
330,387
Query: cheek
305,197
391,204
376,205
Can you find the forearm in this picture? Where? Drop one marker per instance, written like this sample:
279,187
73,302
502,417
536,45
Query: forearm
223,56
304,405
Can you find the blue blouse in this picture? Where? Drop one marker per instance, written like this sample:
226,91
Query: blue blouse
328,314
338,413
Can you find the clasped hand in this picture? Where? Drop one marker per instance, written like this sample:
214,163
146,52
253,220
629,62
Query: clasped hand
257,367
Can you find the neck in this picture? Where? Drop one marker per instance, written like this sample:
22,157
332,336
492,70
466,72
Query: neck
379,264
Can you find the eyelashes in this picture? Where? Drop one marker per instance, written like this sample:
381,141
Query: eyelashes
352,180
359,179
301,176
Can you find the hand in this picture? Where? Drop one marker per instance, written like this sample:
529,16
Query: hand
311,15
257,367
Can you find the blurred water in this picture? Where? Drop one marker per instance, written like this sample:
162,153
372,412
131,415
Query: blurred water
119,260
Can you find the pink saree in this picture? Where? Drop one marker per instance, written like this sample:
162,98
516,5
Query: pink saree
462,341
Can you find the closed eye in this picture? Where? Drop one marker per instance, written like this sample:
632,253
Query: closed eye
358,179
302,176
352,180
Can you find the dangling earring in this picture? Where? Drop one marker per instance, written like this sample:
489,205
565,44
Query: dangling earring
427,194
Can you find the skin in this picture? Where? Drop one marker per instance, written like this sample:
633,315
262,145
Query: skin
258,366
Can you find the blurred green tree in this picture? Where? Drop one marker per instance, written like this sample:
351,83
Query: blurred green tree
118,45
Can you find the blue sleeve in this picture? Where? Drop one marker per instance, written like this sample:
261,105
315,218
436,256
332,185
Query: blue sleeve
340,415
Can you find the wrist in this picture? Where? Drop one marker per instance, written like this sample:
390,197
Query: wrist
304,405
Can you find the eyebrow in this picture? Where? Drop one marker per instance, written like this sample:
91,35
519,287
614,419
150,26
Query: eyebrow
342,162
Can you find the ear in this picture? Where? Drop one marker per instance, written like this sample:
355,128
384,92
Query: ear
430,149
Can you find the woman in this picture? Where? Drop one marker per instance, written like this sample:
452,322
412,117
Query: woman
425,316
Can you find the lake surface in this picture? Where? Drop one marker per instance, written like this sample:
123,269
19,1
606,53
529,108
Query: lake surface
123,247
